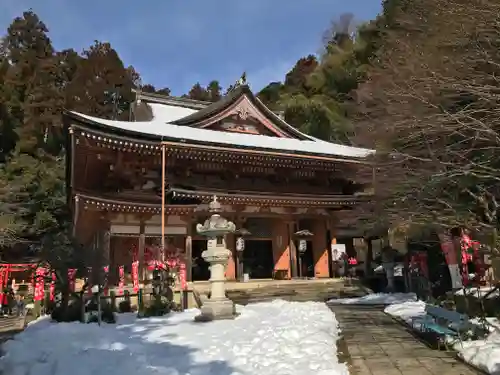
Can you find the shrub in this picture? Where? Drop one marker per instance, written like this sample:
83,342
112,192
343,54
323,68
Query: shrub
125,307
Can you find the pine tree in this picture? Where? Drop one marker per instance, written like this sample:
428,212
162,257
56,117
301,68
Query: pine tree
102,87
27,48
197,92
164,91
8,136
214,91
33,198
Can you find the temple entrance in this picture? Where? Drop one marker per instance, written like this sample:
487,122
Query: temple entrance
258,259
305,262
200,268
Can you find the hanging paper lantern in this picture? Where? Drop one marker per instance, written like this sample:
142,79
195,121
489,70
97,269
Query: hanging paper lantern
302,246
240,244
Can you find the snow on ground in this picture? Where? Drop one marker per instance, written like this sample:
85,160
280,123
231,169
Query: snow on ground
410,311
483,354
376,299
275,337
478,292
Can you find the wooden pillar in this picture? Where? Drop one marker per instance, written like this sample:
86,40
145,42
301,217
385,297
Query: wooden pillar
189,252
320,249
293,248
76,214
142,246
231,263
369,257
106,247
333,241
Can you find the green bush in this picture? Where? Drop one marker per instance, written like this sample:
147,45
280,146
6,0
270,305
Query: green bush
158,308
70,313
124,307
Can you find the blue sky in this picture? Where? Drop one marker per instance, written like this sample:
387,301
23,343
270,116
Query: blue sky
176,43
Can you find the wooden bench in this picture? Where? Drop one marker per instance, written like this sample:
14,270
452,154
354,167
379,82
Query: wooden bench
445,323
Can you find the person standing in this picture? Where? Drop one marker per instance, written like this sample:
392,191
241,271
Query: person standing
20,305
388,258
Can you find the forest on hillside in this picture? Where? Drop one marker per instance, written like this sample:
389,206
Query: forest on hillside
418,83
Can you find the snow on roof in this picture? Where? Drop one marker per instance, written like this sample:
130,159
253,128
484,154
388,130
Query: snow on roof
168,113
186,133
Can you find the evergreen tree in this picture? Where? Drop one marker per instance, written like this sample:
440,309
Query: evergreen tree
214,91
296,79
164,91
197,92
27,49
148,88
102,86
7,124
33,197
270,95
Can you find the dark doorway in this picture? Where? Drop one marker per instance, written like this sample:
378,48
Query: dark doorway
200,269
305,261
258,259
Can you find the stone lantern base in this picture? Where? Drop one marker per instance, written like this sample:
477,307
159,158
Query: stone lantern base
216,310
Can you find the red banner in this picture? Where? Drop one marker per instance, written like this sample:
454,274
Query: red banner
2,273
105,281
52,290
121,280
135,275
39,284
71,279
182,275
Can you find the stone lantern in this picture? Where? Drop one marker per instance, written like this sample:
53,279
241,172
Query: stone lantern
215,228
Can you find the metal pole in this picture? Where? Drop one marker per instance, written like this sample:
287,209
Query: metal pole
163,198
99,318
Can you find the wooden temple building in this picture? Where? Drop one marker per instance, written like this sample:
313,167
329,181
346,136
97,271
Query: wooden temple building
142,185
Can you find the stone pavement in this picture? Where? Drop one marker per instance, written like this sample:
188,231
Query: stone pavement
375,344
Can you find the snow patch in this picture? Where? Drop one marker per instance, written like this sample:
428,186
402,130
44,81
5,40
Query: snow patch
168,113
376,299
483,354
277,337
479,292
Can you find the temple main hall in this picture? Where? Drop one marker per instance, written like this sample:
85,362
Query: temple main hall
138,188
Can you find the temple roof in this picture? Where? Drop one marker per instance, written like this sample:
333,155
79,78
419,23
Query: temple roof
186,134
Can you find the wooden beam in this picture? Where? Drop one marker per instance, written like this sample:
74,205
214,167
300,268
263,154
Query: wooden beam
293,249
